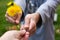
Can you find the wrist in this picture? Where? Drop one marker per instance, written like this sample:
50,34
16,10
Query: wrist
36,17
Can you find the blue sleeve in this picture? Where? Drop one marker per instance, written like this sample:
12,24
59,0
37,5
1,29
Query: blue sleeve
47,8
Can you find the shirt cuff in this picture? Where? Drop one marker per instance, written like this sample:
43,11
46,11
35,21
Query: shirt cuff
42,15
21,3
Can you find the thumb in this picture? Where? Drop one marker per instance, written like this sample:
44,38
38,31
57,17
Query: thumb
22,33
18,18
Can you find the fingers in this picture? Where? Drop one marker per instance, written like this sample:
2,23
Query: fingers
22,27
26,36
15,34
27,21
15,19
22,32
8,18
32,24
18,18
32,27
18,34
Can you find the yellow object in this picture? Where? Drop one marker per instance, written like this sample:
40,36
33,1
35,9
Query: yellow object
9,3
13,9
13,27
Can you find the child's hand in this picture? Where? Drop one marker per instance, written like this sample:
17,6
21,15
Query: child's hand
13,13
15,19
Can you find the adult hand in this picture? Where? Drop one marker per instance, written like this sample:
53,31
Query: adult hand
13,35
30,23
15,19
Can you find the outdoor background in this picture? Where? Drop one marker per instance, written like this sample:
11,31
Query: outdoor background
4,24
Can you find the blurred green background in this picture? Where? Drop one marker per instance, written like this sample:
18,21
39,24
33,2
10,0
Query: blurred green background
4,24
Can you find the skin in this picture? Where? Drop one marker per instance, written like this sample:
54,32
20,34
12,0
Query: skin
14,35
15,19
30,22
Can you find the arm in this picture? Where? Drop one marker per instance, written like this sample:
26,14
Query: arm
44,11
47,8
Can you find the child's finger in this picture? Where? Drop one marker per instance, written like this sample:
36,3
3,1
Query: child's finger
10,19
18,18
